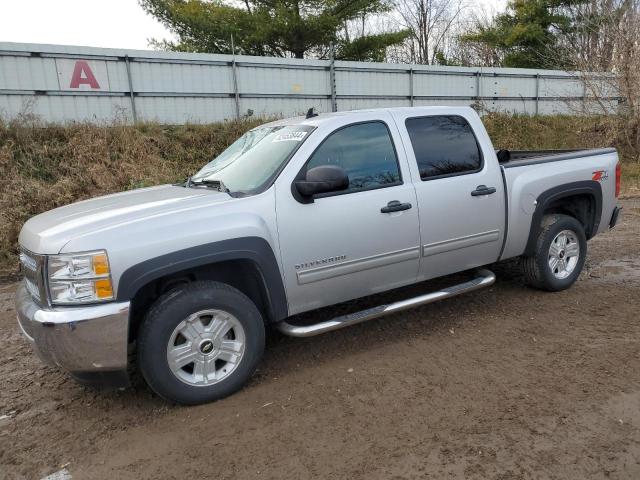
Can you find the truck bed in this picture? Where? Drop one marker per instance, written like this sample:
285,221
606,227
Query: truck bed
521,158
528,174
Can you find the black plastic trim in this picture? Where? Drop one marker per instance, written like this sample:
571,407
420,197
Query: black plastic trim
255,249
505,194
482,190
395,206
614,217
588,187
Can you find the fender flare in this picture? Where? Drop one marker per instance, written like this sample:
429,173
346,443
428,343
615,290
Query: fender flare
546,198
254,249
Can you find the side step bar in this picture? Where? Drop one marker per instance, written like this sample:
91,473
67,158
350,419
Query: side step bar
484,278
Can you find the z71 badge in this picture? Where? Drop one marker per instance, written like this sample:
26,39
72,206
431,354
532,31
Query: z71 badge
600,175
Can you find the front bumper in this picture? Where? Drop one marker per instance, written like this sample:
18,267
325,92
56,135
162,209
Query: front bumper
82,340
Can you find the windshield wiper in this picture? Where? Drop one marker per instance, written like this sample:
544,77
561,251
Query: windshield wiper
217,184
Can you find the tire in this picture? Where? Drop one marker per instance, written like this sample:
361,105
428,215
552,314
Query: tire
538,271
188,324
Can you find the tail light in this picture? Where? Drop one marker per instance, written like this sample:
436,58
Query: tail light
618,179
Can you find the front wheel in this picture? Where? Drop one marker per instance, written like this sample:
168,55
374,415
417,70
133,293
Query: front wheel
560,253
200,342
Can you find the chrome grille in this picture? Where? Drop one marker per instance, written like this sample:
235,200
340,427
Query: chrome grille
32,266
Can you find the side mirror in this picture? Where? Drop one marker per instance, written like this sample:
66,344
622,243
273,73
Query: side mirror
322,179
503,155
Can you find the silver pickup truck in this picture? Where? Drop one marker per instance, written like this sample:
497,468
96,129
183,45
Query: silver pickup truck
296,215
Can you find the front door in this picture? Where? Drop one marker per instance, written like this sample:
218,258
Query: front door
342,245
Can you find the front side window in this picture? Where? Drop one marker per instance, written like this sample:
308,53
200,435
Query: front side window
443,145
365,151
253,160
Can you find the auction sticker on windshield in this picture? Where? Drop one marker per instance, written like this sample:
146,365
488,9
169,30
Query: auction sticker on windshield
289,137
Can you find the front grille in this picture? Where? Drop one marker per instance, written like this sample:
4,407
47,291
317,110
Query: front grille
33,271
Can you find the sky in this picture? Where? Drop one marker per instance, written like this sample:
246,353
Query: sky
94,23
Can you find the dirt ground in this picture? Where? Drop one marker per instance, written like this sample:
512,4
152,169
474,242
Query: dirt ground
505,383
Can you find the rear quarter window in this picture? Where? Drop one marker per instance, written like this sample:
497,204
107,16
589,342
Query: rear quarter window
444,145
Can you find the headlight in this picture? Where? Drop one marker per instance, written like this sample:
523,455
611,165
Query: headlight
79,278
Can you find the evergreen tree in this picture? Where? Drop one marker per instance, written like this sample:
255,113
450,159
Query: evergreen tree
282,28
528,34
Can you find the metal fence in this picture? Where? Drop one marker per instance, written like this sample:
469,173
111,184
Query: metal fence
68,83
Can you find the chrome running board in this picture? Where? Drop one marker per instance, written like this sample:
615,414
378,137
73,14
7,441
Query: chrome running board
484,278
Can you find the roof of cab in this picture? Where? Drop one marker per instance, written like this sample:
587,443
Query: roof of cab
326,117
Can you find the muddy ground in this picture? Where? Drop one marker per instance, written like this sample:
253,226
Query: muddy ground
505,383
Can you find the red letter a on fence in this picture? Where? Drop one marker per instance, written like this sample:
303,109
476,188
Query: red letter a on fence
77,79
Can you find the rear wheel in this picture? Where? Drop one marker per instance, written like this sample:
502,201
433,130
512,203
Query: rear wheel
200,342
560,253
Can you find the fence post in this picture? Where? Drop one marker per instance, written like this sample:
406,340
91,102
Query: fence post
584,95
131,96
478,75
234,71
537,93
332,78
411,86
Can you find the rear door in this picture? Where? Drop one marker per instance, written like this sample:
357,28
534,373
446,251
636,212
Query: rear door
459,189
345,245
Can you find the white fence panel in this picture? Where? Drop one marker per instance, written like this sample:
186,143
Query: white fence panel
364,103
444,85
368,82
27,73
165,78
508,86
255,79
66,83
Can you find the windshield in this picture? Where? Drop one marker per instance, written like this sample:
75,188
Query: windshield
253,159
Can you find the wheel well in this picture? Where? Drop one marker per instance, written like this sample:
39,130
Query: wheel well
581,200
242,274
582,207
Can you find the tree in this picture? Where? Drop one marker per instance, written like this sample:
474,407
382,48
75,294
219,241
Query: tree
529,33
368,48
431,23
282,28
600,27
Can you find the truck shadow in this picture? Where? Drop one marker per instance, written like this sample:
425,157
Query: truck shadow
283,351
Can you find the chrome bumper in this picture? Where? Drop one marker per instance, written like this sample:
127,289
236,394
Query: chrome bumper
77,339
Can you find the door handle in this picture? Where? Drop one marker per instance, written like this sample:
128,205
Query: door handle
483,190
395,206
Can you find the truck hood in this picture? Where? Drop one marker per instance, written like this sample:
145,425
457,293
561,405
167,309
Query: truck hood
48,232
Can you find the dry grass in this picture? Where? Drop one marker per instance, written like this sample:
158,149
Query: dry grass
519,132
46,167
43,167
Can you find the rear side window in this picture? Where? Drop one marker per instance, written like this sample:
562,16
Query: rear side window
365,151
444,145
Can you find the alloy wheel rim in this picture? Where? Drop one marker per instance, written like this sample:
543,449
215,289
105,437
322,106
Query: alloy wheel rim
206,347
564,253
